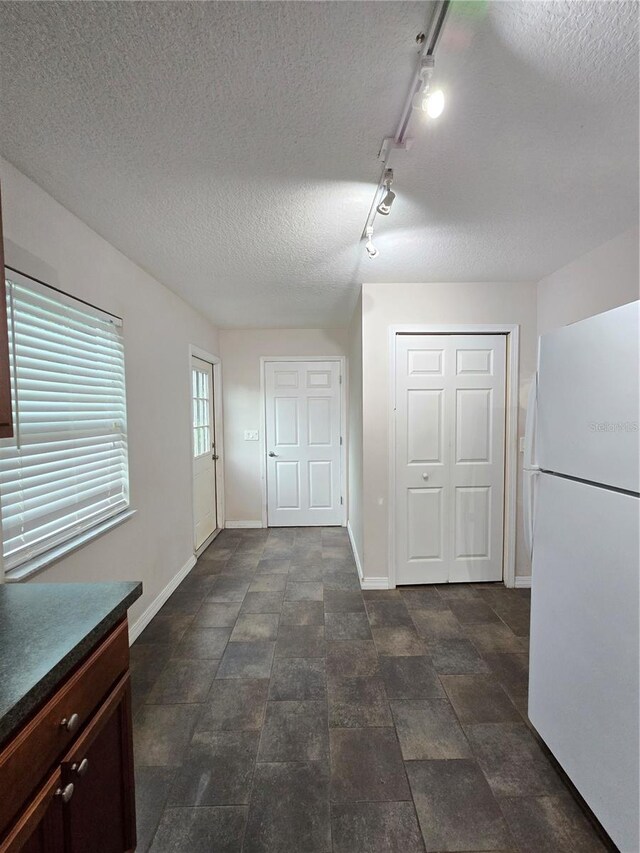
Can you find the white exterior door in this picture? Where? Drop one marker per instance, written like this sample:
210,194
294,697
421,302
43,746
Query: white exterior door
303,443
204,451
450,428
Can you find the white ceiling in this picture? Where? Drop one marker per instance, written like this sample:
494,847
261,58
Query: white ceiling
230,148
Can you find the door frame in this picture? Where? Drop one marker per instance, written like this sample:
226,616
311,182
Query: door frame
215,361
512,333
342,361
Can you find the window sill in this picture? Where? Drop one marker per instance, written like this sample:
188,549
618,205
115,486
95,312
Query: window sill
43,561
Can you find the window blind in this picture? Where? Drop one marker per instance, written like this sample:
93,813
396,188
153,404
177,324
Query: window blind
66,468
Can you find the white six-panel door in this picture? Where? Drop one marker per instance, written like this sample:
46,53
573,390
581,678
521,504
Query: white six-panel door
450,432
302,409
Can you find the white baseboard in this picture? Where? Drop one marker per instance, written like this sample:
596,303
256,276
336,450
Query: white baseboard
523,582
143,620
356,556
365,583
233,525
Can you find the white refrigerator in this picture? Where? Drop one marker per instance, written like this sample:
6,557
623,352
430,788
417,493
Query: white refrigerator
582,522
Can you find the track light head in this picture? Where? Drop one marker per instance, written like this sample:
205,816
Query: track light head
429,101
371,249
384,207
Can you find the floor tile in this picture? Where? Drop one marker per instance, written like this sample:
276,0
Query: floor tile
147,662
410,678
217,615
388,614
226,589
306,571
512,761
294,731
298,678
433,625
357,702
375,828
251,627
303,591
217,770
268,583
352,658
479,699
273,566
517,618
497,639
183,681
234,705
472,612
165,628
428,729
452,591
550,825
347,626
152,790
201,830
300,641
455,806
185,602
341,580
512,671
161,734
399,641
246,660
262,602
203,643
302,613
289,811
456,657
423,598
366,764
341,601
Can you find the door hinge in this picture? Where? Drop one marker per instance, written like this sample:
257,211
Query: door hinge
340,440
340,501
341,379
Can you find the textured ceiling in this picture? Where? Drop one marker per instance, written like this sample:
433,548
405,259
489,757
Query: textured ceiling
231,148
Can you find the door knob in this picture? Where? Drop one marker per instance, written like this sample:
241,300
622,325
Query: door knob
425,476
271,453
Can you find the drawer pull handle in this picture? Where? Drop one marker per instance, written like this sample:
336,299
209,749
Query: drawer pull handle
81,768
66,793
71,724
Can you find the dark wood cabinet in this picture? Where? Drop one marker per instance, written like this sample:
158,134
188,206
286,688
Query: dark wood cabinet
99,767
6,420
77,755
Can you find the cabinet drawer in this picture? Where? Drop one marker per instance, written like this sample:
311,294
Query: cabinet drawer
40,826
33,752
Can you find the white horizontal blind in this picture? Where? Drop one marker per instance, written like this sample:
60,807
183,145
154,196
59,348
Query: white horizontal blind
66,469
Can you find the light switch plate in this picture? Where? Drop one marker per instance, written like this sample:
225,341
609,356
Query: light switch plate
251,435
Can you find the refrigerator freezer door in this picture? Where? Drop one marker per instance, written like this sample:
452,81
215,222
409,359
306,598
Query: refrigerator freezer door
583,688
588,399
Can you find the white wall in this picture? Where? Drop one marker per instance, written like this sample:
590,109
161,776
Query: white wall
384,305
45,240
604,278
240,350
355,430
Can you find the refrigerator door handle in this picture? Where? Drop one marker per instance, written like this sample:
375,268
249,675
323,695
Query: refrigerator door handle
530,482
531,425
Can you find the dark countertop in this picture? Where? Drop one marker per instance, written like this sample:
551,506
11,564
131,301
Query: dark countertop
46,629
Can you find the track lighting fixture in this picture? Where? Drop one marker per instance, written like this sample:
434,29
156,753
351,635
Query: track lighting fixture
429,101
371,249
384,208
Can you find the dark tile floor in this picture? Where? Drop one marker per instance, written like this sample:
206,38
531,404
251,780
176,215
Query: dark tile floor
279,708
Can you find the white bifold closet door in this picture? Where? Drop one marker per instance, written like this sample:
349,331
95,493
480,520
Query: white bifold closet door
449,455
303,442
